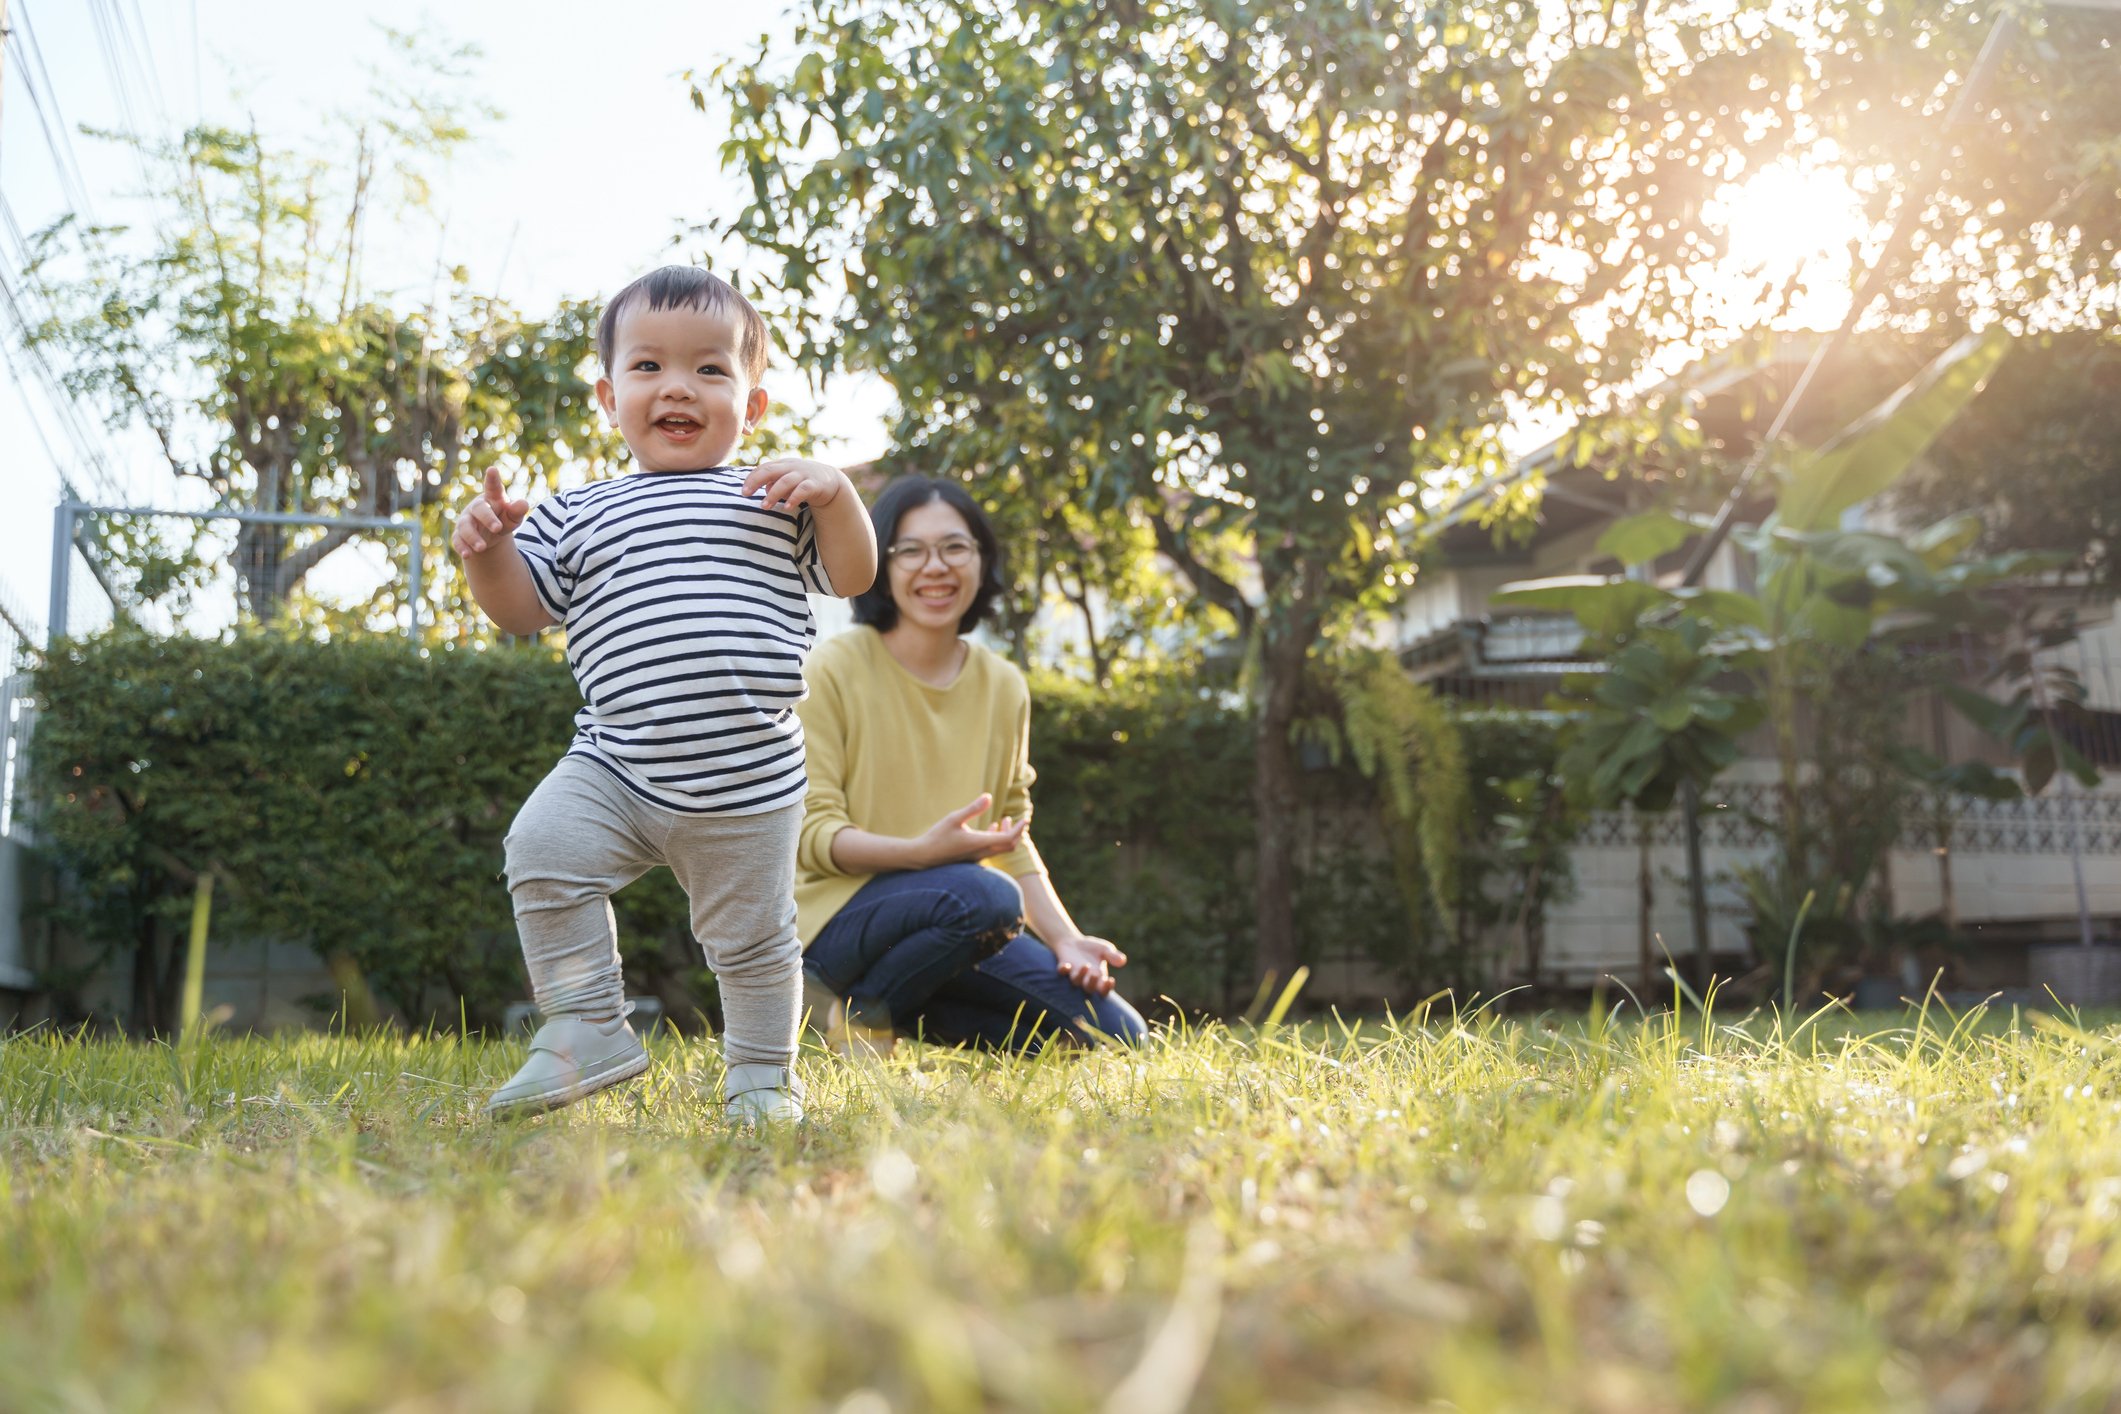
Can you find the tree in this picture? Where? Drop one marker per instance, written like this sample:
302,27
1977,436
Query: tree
2039,459
1825,641
1112,610
2015,210
1244,269
240,331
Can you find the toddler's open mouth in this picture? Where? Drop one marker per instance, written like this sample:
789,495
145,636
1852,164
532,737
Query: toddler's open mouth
677,426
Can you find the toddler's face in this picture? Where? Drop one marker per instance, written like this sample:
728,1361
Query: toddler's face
677,390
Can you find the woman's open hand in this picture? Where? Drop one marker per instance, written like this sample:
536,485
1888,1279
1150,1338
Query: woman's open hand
1083,960
951,841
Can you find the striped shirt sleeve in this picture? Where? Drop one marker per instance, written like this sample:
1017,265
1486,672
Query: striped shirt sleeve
538,540
807,562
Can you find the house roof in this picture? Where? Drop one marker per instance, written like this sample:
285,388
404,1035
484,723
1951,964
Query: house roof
1572,494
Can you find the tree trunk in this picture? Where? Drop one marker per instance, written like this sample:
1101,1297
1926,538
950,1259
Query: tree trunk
1275,792
146,1020
1275,797
1945,817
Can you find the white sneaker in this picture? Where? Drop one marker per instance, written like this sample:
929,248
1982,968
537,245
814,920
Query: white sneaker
762,1094
569,1058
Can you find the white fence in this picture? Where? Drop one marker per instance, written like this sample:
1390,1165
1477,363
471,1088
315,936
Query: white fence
2009,863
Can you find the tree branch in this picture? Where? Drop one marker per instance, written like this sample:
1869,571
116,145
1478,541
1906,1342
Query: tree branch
1206,582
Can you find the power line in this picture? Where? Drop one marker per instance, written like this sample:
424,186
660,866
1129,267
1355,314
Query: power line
123,61
144,56
44,76
113,65
58,138
87,445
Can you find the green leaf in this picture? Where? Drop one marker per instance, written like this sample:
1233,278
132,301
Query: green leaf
1992,718
1838,625
1672,711
1640,539
1723,607
1940,544
1871,453
1879,559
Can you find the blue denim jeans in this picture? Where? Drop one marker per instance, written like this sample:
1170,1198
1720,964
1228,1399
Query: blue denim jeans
911,944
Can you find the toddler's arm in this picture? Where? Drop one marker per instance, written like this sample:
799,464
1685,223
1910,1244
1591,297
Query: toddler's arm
485,539
846,542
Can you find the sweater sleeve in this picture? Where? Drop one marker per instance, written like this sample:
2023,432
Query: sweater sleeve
1013,802
824,715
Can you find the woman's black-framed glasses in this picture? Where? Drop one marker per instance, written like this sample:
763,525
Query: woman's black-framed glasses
957,552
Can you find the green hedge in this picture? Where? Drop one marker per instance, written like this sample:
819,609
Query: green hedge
1143,813
354,794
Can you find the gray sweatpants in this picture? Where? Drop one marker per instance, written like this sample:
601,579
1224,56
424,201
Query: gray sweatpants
582,836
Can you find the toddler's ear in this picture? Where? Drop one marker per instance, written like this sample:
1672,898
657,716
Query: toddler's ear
755,406
608,399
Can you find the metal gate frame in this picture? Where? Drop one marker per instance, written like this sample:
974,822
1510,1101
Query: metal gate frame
68,514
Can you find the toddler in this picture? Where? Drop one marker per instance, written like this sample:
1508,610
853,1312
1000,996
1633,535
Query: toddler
682,589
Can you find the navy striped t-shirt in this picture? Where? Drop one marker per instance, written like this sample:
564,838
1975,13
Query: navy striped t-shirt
686,628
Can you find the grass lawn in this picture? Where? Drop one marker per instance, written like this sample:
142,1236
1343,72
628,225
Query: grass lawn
1493,1215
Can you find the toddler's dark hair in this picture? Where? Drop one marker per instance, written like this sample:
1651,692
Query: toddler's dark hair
688,287
875,606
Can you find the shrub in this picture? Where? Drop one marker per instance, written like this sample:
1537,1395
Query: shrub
354,794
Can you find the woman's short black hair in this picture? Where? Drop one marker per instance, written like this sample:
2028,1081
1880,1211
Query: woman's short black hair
875,606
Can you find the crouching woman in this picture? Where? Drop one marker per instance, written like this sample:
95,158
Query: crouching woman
916,875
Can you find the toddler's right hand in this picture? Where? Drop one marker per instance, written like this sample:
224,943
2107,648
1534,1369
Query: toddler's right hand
490,517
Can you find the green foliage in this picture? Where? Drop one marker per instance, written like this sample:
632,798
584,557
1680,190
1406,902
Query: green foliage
1409,862
1404,737
1871,453
1112,608
1638,540
1404,740
1655,719
351,794
1143,813
2039,458
2014,211
1845,812
1268,286
1820,647
238,330
2043,696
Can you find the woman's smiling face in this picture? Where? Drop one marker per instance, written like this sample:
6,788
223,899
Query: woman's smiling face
930,591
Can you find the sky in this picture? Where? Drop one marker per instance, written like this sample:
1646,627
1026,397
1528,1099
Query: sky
598,161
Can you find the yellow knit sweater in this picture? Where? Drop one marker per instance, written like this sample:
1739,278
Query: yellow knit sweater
889,754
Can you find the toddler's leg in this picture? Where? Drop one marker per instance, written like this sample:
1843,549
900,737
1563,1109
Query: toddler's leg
574,843
739,872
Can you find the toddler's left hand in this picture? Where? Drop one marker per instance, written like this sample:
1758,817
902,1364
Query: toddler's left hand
790,483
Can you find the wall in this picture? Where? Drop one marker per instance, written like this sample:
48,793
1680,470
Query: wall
2010,866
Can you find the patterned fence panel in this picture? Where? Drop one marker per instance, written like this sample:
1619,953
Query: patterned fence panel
1743,817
